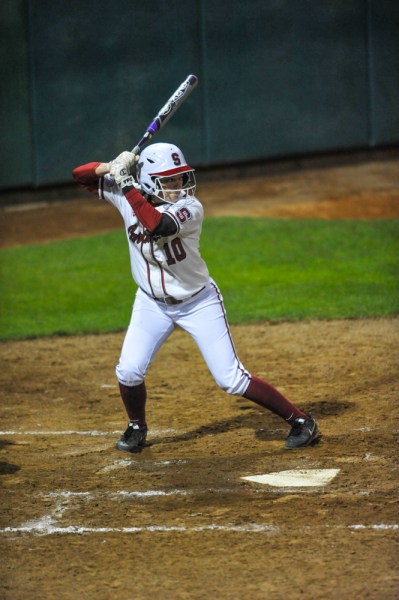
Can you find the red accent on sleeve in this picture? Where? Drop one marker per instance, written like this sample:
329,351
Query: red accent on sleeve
149,216
85,175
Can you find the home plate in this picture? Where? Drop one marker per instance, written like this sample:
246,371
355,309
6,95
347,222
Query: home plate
296,478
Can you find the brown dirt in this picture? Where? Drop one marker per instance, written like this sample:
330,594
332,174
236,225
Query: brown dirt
71,502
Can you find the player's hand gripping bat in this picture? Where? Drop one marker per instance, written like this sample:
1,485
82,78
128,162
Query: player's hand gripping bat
166,112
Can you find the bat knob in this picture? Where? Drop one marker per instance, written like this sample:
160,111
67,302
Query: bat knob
109,180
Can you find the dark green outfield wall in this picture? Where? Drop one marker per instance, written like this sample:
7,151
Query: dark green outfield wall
81,79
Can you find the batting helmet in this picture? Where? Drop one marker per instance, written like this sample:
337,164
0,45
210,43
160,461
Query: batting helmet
158,165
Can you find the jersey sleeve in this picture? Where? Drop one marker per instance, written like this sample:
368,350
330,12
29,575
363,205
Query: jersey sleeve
112,194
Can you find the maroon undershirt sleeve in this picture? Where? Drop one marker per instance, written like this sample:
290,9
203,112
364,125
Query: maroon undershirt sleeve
149,216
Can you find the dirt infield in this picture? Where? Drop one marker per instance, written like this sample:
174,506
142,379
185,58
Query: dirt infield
82,520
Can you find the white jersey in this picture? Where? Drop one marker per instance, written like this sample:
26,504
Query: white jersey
164,266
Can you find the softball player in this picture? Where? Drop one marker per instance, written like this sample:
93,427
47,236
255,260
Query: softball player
163,221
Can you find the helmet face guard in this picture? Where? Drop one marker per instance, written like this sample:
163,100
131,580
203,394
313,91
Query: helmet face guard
175,187
163,172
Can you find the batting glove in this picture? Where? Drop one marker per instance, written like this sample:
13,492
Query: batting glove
119,169
128,159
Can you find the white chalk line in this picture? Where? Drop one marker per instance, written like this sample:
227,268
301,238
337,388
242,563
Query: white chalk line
126,462
205,491
381,526
48,524
45,527
77,529
154,432
121,493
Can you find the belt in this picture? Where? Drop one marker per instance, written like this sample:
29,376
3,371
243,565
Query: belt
169,300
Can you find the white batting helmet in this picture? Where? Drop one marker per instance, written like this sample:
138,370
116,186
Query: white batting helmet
158,163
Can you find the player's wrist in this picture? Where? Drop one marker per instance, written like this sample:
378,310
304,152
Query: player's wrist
127,184
102,169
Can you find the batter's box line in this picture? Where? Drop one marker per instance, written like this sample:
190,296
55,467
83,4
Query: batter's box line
147,494
48,524
155,432
49,529
46,528
121,493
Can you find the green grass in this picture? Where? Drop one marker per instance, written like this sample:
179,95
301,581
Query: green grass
266,269
293,269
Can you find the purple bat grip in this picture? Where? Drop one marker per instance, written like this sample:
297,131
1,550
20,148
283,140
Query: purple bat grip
153,127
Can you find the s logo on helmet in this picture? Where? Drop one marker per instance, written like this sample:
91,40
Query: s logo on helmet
176,159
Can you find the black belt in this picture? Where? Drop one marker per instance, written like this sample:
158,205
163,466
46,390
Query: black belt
169,300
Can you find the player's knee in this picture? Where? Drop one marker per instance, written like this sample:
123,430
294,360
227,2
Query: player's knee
235,385
129,374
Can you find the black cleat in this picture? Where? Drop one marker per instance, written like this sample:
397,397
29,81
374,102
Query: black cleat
303,433
133,438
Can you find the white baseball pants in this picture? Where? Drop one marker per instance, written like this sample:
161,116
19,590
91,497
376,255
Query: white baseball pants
203,317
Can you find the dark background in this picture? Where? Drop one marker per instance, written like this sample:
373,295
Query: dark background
81,80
